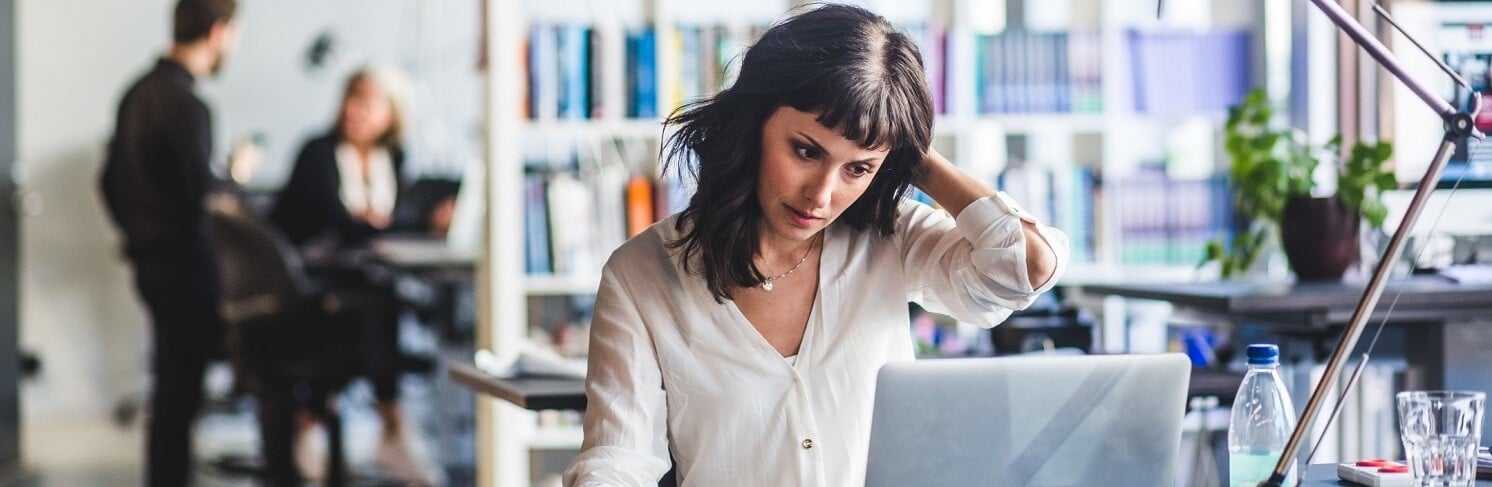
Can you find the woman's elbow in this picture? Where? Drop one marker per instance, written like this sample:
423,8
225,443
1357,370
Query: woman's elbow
1041,267
1041,258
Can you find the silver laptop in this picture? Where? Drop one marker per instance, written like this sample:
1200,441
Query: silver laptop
1029,421
462,245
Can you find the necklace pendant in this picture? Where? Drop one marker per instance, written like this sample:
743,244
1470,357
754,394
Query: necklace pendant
767,285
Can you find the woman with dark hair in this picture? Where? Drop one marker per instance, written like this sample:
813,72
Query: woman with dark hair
742,337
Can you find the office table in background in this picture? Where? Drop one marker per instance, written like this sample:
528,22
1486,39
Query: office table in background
532,393
1448,326
422,254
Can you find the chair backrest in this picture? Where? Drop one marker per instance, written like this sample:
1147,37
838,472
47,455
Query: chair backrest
261,273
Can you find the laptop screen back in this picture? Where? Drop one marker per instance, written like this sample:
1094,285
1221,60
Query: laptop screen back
1037,421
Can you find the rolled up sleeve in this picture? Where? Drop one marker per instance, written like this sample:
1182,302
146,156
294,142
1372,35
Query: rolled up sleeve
973,268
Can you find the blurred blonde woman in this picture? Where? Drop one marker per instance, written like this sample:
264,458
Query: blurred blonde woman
342,191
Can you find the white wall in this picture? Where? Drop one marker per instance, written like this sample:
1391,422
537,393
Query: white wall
76,57
267,88
78,312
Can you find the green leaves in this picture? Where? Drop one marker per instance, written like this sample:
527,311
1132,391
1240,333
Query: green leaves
1364,177
1272,164
1242,254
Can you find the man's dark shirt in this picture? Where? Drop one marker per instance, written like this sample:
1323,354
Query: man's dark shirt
157,170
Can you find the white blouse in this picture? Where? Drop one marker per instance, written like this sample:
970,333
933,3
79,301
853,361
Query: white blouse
673,372
374,191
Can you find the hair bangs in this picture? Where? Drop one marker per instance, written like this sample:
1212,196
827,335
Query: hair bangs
876,118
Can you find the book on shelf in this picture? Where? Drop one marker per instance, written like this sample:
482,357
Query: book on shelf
1064,194
543,72
581,207
535,224
571,209
1019,71
1085,71
568,68
932,42
642,73
1184,72
1015,71
574,48
640,204
1169,221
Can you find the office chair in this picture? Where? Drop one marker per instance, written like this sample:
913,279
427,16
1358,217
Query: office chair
286,339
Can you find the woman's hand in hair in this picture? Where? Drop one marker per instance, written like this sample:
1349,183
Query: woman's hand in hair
949,186
954,190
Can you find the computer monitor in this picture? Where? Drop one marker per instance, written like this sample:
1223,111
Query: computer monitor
1459,35
1085,420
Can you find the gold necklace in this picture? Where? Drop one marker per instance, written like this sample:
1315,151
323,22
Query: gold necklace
766,284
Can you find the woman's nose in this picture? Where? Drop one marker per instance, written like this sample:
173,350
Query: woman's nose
820,191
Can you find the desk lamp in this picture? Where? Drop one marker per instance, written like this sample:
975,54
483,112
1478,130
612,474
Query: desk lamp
1458,125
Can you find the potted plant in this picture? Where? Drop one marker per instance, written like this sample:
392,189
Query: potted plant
1274,189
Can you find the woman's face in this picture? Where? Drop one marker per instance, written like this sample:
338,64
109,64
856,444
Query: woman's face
809,174
367,114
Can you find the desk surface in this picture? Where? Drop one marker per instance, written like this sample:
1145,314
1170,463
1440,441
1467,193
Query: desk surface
1232,297
420,253
534,393
1323,475
538,393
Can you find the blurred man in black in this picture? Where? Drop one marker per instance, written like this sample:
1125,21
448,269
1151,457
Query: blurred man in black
154,184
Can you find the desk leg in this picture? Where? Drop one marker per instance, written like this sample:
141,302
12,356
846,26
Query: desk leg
1452,355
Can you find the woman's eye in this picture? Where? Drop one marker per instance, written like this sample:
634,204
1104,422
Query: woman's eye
859,171
807,152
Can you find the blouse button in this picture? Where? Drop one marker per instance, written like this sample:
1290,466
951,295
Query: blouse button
807,443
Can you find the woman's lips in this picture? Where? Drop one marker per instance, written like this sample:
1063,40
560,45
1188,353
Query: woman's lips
802,219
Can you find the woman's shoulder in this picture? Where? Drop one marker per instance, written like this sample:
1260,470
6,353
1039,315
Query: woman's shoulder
322,146
647,253
648,246
912,215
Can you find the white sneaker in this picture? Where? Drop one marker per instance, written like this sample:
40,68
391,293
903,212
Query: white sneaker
404,458
310,453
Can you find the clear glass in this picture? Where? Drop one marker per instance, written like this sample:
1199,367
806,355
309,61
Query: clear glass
1263,418
1441,431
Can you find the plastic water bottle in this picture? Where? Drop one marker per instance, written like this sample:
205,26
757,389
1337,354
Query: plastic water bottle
1262,420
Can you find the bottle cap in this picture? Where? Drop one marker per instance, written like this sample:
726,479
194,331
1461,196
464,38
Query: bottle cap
1263,354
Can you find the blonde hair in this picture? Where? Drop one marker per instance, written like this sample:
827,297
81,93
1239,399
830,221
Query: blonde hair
394,85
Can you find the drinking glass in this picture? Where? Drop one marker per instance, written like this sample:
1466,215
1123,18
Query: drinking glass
1441,431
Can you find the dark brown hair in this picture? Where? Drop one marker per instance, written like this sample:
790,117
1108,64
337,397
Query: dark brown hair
858,73
193,19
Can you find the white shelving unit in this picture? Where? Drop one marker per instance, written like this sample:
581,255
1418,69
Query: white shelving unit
507,434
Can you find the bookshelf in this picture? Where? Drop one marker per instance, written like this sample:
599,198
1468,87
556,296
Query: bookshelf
577,90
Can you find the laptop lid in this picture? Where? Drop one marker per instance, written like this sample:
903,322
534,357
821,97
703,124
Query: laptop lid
465,233
1029,421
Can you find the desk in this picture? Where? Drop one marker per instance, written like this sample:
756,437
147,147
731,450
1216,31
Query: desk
539,393
422,255
1325,475
532,393
1448,327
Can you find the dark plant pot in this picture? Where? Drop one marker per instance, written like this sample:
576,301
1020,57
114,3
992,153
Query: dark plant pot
1319,236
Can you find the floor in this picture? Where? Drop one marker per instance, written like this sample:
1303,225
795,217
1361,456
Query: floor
86,452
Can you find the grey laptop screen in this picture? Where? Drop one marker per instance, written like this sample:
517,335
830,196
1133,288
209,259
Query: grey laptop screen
1039,421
